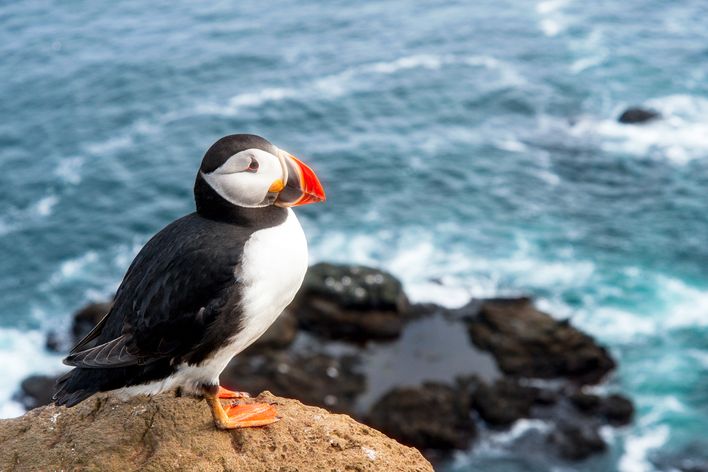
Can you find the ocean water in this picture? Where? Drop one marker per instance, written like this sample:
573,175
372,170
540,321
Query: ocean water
471,148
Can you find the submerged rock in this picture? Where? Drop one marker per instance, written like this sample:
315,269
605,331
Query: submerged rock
529,343
169,434
351,302
636,115
503,402
615,408
576,441
430,416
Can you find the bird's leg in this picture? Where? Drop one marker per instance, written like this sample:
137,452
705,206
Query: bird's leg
226,393
240,416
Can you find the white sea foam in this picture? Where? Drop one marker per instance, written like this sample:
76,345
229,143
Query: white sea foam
17,218
45,206
452,277
69,170
111,145
21,353
518,429
72,267
637,448
552,18
348,80
680,136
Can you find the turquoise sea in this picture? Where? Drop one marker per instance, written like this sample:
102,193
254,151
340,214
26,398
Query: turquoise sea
469,143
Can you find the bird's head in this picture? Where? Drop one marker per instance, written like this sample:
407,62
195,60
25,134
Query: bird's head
247,171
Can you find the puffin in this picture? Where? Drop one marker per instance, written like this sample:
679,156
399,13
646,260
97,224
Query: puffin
205,287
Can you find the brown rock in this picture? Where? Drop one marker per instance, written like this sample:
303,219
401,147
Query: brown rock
177,434
36,390
432,416
576,441
529,343
88,317
351,302
503,402
616,409
314,378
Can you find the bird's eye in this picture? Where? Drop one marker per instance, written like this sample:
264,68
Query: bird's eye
253,166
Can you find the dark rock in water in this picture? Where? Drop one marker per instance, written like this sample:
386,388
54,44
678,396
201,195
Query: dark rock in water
279,336
615,408
503,402
546,397
635,115
351,302
53,342
82,322
576,441
529,343
585,402
430,416
313,378
36,390
85,319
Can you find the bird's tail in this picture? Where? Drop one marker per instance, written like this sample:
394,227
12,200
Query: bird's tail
66,394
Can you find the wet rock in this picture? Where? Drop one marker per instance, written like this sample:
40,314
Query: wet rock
432,416
351,302
585,402
529,343
615,409
546,397
503,402
576,441
636,115
86,318
314,378
54,343
36,390
279,336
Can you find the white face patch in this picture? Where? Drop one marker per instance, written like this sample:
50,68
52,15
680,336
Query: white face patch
246,177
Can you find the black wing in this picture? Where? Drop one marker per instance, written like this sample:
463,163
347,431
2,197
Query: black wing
172,292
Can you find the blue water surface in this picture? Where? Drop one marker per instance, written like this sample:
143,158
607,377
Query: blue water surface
471,142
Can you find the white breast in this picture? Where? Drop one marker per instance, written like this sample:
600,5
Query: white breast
272,270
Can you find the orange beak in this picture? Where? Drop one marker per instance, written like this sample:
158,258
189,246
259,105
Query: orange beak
302,187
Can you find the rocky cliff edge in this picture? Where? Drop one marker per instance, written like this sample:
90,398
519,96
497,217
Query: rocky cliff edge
165,433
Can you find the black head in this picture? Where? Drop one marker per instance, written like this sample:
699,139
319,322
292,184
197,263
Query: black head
223,149
246,171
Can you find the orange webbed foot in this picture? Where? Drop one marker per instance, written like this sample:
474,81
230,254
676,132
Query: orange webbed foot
252,414
241,415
